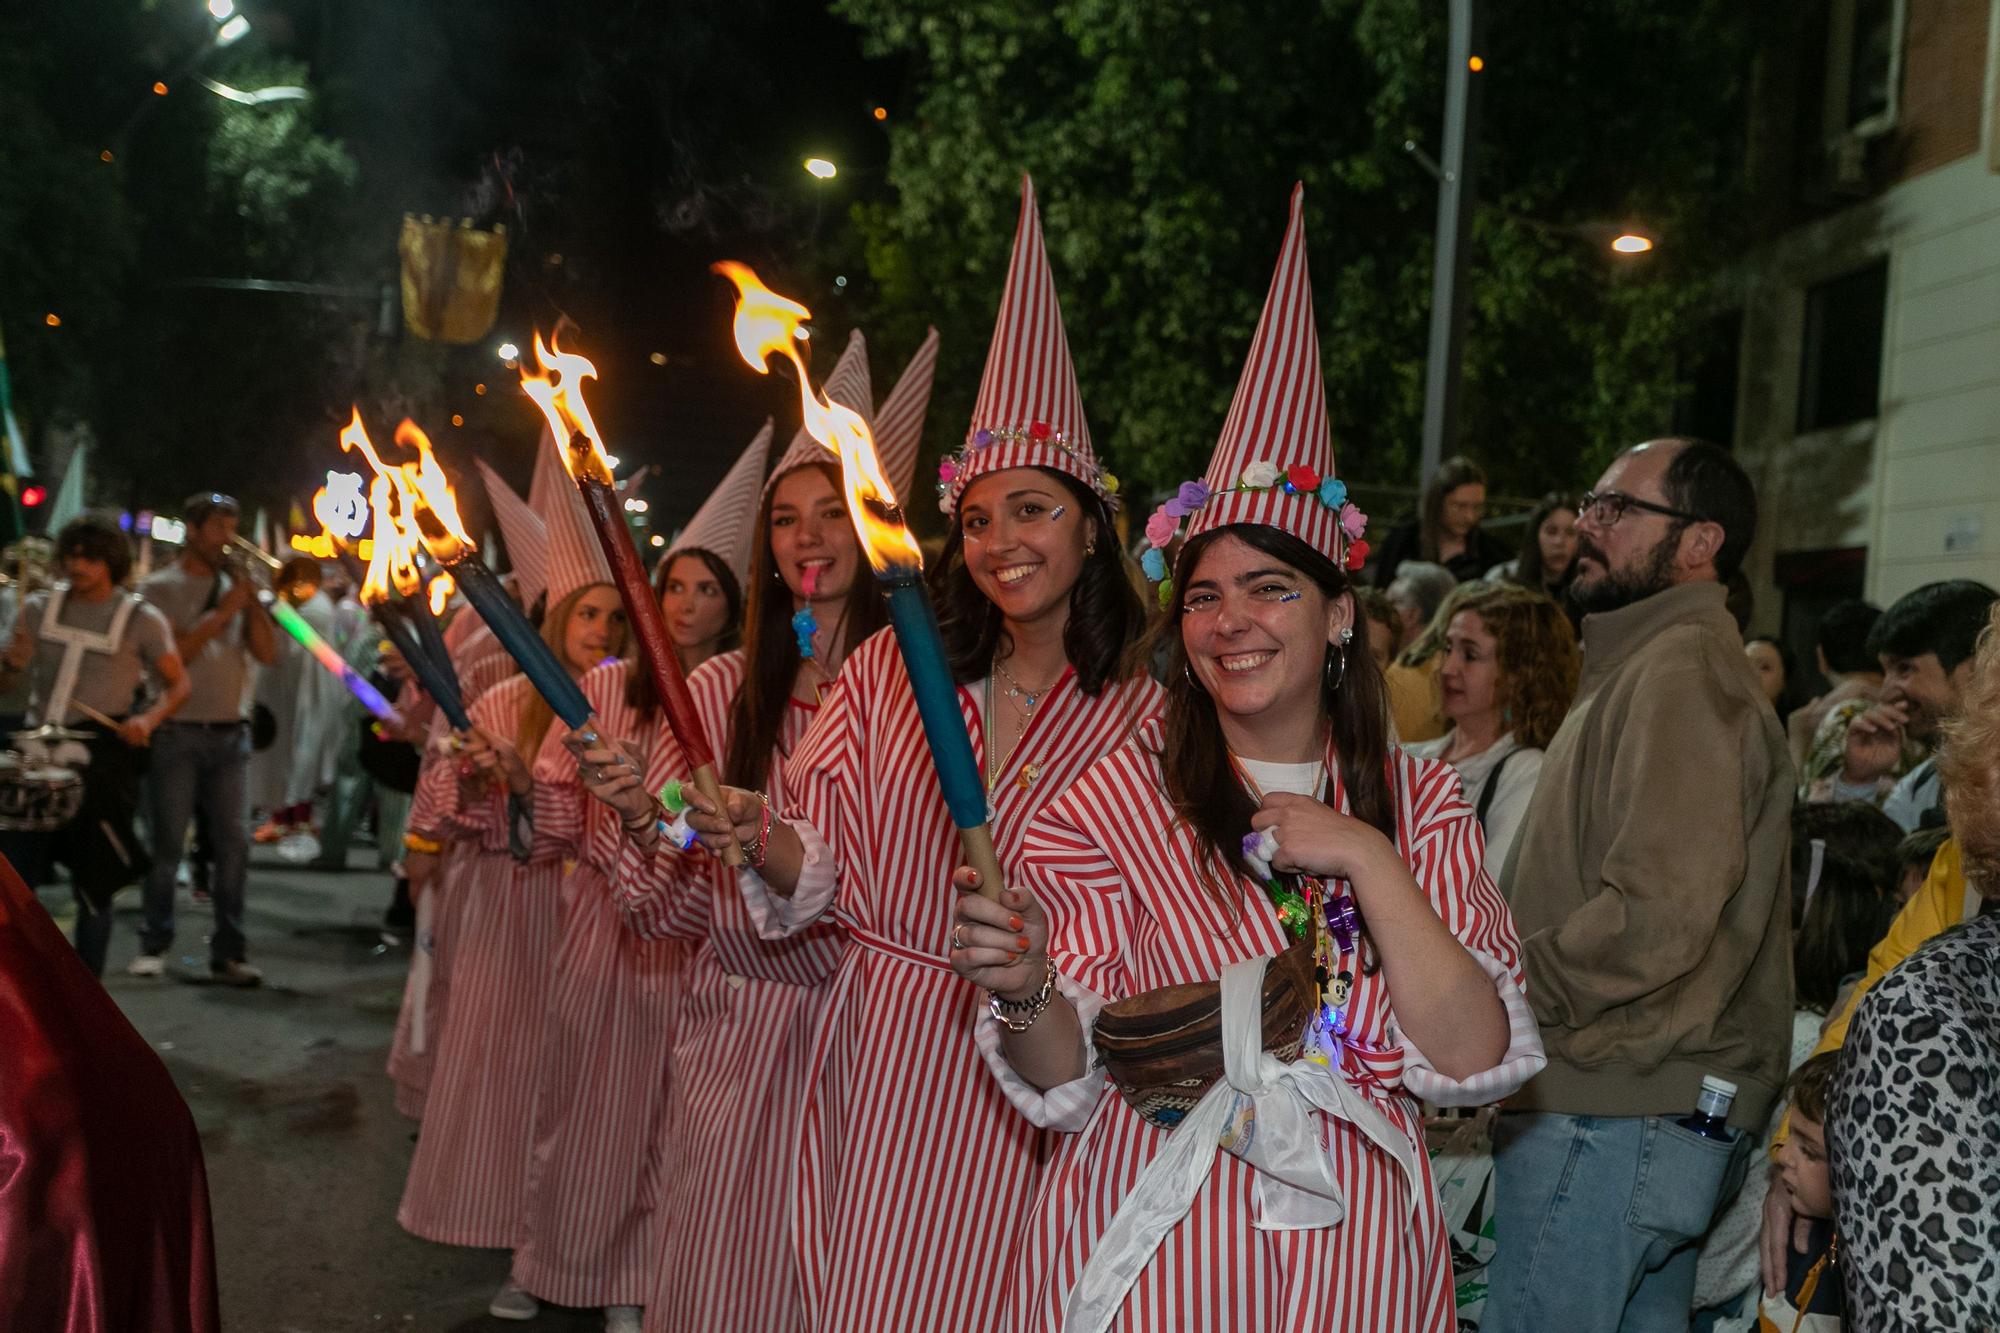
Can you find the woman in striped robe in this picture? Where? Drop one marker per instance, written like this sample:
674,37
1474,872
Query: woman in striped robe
1173,860
750,1008
468,1178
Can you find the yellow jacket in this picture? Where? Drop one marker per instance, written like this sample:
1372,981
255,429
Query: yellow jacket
1940,904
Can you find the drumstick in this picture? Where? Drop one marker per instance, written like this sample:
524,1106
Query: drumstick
91,713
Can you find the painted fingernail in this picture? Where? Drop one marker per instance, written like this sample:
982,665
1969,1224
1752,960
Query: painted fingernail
1021,943
1014,923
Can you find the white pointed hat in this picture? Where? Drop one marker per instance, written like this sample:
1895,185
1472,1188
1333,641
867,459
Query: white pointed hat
575,560
899,421
848,385
1029,412
724,524
521,529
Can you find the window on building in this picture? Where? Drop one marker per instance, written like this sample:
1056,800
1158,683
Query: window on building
1809,583
1841,370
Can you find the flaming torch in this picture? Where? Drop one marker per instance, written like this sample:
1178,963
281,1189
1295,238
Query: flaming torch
557,388
434,515
767,323
392,564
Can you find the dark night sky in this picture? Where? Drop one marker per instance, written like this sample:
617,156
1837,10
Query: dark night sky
637,143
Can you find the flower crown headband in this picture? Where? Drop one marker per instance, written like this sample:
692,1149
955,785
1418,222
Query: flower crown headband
1164,525
1097,477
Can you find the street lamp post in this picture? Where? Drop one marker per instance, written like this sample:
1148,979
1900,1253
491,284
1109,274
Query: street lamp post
1442,372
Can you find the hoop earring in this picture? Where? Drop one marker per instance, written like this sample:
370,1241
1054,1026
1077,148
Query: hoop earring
1188,671
1333,685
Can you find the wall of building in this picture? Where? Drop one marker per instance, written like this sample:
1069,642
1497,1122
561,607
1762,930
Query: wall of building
1919,485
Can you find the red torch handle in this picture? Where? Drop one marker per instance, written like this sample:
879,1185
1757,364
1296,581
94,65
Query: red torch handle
656,650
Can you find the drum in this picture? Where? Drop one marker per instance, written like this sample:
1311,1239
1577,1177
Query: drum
37,798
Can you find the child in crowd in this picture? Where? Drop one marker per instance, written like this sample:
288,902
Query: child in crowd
1811,1301
1914,855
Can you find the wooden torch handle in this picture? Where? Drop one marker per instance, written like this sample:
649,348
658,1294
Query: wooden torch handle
705,782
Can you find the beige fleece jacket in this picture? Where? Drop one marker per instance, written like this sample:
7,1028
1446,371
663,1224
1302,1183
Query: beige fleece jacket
1651,882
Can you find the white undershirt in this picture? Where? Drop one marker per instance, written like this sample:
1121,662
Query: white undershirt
1307,779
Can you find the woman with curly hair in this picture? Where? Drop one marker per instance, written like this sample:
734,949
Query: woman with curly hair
1509,671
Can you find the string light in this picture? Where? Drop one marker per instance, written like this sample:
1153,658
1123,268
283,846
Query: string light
159,89
52,319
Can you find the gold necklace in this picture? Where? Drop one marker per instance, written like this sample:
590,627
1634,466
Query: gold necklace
1019,693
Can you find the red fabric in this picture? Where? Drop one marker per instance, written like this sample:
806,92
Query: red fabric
103,1201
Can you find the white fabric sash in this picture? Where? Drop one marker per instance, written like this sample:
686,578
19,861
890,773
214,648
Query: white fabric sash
1261,1110
75,643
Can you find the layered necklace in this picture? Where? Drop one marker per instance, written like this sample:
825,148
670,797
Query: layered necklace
1331,916
1024,701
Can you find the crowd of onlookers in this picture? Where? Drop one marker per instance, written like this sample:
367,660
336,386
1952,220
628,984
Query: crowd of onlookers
1722,862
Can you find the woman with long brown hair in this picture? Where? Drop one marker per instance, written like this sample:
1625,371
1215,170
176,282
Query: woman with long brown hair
1294,830
751,1007
892,1219
1445,529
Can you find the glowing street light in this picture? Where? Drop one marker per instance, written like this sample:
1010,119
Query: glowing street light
221,9
1631,243
509,352
233,30
820,168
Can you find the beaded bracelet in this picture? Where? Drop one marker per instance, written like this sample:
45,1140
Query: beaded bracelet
417,842
754,853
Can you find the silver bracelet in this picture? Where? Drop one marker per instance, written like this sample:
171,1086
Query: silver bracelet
1030,1009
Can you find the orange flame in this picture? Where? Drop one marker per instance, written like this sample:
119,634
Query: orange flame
393,562
419,498
578,443
442,587
768,323
341,506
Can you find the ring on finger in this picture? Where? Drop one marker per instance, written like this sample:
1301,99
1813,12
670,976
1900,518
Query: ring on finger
957,937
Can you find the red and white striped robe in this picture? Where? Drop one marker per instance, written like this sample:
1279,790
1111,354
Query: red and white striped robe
750,1013
426,990
914,1172
588,1218
468,1176
1119,879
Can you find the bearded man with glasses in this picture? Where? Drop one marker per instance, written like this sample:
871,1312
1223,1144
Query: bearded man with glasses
1649,883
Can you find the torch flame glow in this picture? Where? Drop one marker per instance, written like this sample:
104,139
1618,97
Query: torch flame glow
442,587
341,506
768,323
421,498
561,401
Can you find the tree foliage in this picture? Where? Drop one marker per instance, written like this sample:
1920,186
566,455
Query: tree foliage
1164,137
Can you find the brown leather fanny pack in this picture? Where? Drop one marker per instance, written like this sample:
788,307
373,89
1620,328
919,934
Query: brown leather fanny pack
1163,1049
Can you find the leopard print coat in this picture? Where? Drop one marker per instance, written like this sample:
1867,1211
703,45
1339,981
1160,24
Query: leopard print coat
1913,1129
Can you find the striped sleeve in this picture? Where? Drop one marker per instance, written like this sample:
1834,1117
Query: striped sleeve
1080,888
662,891
1447,856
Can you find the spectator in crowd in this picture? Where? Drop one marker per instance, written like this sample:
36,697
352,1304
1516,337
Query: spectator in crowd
201,754
1416,593
1384,626
1445,529
1648,882
1547,560
701,602
1910,1119
1416,701
91,652
1772,662
1852,673
300,696
1508,672
1838,879
1914,857
1925,644
1812,1299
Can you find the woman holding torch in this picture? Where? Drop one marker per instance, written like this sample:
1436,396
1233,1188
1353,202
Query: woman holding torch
1262,1164
893,1218
750,1007
469,1179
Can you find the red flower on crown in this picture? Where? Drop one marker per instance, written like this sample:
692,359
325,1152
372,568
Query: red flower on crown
1302,477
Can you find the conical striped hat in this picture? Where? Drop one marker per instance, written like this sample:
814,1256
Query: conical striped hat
521,529
1029,413
1274,462
899,421
575,559
849,386
723,525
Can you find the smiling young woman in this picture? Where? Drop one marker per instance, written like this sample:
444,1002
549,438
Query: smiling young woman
1295,831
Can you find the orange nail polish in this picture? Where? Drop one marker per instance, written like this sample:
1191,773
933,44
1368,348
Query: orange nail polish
1021,943
1014,923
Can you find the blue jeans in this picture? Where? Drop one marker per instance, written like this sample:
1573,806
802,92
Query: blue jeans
195,764
1597,1219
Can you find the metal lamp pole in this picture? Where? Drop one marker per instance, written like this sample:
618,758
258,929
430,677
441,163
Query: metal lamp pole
1442,371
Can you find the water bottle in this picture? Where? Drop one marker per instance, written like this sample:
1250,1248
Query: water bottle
1711,1109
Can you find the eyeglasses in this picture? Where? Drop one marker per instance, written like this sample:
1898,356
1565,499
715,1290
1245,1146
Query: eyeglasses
1605,508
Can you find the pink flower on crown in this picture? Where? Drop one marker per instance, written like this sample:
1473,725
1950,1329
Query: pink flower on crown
1353,522
1160,528
947,471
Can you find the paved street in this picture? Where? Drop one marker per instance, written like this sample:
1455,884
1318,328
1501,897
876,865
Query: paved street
306,1153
